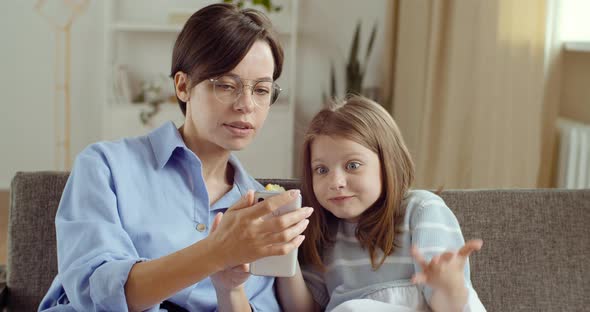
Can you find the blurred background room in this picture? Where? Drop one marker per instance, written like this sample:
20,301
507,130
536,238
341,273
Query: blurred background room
488,93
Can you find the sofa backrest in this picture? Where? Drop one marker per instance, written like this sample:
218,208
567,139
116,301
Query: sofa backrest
32,260
534,258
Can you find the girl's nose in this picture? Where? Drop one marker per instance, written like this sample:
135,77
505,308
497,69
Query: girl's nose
338,181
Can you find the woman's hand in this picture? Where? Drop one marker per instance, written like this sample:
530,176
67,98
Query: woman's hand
230,278
444,272
243,235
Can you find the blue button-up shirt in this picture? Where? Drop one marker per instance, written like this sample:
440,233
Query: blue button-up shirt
131,200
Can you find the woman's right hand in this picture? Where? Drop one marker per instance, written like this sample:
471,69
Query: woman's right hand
243,235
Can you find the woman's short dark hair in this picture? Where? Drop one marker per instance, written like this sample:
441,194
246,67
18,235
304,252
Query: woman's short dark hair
216,38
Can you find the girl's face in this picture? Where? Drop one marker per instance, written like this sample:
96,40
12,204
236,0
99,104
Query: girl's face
346,176
225,125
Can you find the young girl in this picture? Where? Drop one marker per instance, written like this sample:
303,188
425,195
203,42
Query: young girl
372,243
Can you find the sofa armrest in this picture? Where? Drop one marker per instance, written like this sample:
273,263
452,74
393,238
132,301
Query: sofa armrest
3,295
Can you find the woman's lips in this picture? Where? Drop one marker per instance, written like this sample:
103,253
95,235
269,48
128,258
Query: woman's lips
238,130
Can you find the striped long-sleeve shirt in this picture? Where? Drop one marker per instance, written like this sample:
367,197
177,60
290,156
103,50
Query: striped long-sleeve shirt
428,223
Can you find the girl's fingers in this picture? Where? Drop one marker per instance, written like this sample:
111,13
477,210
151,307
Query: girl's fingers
240,268
419,278
435,260
216,221
447,256
470,246
418,257
242,275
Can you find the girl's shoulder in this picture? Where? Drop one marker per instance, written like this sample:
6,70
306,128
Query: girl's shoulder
421,198
425,206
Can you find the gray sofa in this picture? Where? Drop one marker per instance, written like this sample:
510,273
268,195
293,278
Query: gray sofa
535,254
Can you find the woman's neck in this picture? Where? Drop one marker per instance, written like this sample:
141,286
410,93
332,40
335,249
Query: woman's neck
214,159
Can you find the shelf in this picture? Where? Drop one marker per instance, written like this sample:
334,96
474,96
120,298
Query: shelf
577,46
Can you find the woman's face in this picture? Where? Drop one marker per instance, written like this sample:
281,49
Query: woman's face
230,126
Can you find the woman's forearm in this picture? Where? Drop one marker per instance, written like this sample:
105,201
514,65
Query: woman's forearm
294,295
152,282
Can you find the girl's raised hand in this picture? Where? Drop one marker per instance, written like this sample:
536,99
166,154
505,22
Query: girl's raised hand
445,271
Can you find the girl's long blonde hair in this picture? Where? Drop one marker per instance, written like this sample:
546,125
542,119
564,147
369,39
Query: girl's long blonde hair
369,124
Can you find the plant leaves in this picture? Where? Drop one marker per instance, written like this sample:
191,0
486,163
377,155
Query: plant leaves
332,81
355,44
371,41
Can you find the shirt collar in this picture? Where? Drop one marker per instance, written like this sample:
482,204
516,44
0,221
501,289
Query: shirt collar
165,140
241,178
242,184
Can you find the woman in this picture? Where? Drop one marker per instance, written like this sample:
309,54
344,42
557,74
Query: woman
140,220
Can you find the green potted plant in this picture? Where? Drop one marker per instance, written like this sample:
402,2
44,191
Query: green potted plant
355,70
267,4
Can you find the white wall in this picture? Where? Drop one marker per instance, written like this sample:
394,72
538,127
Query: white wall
326,29
27,56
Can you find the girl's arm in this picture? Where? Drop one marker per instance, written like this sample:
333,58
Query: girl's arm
294,296
445,274
454,300
233,300
441,254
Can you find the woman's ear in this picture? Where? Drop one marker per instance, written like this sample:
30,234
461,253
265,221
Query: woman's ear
181,86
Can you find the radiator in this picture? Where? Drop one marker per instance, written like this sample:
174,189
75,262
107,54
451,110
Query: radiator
574,154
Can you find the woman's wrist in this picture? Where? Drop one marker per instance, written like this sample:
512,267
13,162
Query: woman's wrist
216,252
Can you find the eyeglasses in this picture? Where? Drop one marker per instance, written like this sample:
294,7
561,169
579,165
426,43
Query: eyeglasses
229,88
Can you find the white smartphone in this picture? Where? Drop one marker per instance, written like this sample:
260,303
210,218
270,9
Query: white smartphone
281,266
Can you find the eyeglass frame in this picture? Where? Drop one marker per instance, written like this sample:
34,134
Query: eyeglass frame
214,80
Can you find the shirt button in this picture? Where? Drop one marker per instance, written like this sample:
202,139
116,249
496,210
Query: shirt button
201,227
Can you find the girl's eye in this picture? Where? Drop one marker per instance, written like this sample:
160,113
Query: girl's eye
321,170
353,165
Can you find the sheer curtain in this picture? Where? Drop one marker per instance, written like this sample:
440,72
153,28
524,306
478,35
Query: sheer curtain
475,90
